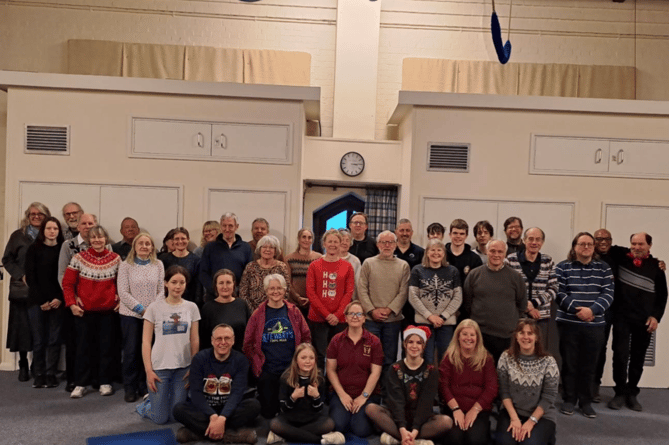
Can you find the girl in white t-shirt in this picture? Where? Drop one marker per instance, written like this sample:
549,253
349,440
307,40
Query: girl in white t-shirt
174,321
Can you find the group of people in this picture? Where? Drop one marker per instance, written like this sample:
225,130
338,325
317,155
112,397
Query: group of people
254,332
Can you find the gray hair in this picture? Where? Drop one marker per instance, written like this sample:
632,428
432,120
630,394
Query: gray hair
385,232
272,277
261,220
72,203
346,233
403,221
543,235
269,240
25,222
496,240
227,215
99,231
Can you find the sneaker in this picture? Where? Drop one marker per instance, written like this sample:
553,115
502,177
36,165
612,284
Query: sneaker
39,382
567,408
387,439
617,402
240,436
78,392
184,435
423,442
51,381
333,438
588,411
106,390
273,438
633,404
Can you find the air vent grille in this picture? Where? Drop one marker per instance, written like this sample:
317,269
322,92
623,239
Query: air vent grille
448,157
41,138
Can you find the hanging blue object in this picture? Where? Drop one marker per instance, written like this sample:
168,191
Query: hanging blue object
503,50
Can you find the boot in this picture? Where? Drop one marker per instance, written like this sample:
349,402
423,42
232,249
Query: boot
24,371
240,436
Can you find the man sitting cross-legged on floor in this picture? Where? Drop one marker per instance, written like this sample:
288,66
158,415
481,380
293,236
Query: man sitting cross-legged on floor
218,379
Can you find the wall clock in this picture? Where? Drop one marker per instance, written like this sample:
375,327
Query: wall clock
352,163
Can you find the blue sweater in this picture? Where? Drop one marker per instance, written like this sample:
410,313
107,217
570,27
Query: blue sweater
217,387
588,285
219,255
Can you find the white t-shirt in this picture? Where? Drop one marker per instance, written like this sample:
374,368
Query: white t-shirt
171,327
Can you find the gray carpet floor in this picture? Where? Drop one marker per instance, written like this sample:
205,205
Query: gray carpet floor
31,416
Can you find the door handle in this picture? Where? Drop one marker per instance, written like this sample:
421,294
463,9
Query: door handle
598,156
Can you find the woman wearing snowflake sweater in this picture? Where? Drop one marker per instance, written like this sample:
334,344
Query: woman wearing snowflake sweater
435,293
528,384
89,288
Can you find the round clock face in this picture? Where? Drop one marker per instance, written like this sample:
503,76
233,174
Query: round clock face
352,163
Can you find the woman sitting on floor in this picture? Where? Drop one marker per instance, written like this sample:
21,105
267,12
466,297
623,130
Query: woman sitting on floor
528,385
467,386
411,386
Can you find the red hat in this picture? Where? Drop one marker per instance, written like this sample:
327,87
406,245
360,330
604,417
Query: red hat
421,331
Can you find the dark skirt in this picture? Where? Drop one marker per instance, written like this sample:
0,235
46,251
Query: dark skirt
19,337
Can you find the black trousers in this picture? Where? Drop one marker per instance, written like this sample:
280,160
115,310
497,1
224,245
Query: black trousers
195,420
95,331
580,345
495,345
633,352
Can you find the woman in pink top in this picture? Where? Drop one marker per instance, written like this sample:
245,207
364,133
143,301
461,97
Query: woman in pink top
330,286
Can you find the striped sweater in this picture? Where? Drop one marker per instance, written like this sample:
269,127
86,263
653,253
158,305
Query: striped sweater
583,285
91,276
541,292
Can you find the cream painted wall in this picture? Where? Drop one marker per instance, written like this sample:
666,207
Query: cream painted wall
322,156
500,156
3,147
99,146
597,32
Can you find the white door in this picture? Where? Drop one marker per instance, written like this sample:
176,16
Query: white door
154,137
622,221
568,155
252,142
637,158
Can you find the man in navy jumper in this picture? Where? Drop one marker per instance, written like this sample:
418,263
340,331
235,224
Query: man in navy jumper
218,380
228,251
640,300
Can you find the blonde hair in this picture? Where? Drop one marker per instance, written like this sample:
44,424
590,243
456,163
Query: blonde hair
133,253
434,242
208,226
454,353
25,222
292,374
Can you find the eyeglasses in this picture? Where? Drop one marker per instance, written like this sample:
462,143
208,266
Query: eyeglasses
585,245
358,223
387,243
600,239
223,339
37,215
355,314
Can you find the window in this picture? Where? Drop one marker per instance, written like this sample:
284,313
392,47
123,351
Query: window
335,215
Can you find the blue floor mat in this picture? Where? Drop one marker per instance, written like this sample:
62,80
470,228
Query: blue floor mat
157,437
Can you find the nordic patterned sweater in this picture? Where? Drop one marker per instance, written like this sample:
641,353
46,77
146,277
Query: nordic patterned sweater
435,292
529,382
91,276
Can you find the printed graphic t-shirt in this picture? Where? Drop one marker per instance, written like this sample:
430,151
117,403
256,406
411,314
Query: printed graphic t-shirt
171,327
278,340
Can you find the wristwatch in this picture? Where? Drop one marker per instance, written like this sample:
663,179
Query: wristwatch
534,419
365,395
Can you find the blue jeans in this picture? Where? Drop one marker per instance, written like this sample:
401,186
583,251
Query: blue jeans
442,337
357,423
134,377
171,390
45,327
388,333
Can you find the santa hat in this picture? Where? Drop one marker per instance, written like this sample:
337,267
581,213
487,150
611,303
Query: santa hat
421,331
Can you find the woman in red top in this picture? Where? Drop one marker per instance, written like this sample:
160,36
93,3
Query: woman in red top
330,286
468,385
89,288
